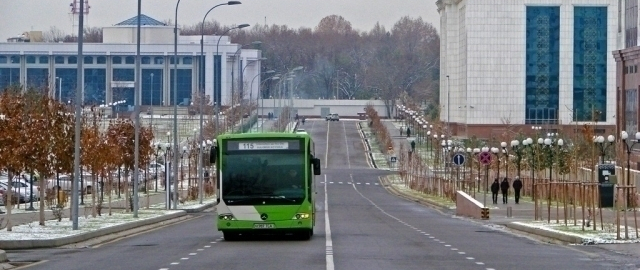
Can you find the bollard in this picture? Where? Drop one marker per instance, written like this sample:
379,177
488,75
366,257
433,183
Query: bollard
484,213
509,211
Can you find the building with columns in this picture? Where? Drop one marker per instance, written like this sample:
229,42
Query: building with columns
528,65
109,67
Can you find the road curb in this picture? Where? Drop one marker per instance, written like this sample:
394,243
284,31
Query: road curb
396,192
3,256
200,208
545,233
50,243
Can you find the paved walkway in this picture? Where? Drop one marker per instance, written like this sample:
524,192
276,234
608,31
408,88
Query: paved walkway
525,210
20,216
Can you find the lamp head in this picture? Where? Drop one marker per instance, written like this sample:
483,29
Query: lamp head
547,141
611,138
242,26
234,3
624,135
503,144
560,142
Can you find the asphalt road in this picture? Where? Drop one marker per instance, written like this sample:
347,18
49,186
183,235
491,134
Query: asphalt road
359,226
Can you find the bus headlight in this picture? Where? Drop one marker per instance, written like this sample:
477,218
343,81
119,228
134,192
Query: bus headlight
301,216
226,217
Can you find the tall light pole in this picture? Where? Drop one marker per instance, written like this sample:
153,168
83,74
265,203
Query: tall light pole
78,123
448,107
201,96
217,82
59,89
235,55
175,106
629,143
251,89
277,78
137,97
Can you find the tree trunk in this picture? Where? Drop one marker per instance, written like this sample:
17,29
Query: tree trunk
9,201
41,183
93,194
110,192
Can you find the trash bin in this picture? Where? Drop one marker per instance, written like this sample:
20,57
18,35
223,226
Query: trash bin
607,180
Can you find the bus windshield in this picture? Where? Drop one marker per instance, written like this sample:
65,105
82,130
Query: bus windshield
263,177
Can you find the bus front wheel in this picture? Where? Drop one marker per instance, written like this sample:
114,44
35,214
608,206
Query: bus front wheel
230,236
306,234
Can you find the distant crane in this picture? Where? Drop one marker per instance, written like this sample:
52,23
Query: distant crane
75,12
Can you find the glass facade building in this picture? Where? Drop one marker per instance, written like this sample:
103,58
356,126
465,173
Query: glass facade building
590,63
542,65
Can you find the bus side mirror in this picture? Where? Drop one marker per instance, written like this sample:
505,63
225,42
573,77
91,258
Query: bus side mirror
212,155
316,166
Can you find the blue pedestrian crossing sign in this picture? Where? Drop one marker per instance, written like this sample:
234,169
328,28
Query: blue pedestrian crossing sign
458,159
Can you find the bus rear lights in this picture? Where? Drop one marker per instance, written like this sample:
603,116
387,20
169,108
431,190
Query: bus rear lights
226,217
301,216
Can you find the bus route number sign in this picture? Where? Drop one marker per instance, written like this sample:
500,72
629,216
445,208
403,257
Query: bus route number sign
263,145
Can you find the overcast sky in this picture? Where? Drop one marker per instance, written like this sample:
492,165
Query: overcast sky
18,16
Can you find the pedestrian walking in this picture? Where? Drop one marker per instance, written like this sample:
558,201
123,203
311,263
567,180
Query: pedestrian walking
517,186
303,120
401,130
504,187
495,187
408,132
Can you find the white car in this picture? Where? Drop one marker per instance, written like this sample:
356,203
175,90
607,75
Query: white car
64,183
332,117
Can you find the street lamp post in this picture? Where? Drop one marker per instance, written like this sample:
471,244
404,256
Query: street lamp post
78,120
629,147
549,143
240,76
202,93
486,176
259,86
217,83
59,89
599,141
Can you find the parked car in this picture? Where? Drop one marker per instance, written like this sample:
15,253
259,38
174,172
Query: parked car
332,117
24,197
63,182
19,184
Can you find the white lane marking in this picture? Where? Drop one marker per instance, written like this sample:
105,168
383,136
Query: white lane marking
184,259
401,221
327,226
175,263
339,182
163,269
200,249
207,246
326,153
346,142
193,254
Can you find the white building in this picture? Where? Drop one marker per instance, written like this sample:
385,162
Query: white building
527,63
109,67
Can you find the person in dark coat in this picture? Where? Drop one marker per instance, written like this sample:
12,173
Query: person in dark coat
504,187
408,132
495,187
517,186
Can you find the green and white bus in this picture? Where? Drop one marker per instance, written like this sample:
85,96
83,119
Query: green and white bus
265,183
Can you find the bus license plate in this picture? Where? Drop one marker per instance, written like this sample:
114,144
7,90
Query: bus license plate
264,226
